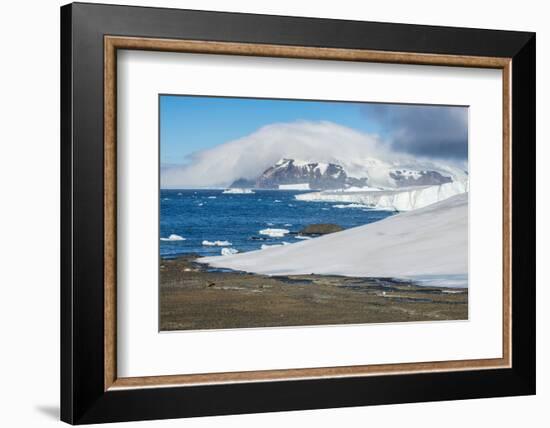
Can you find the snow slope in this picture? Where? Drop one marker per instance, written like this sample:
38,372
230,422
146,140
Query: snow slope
403,199
428,245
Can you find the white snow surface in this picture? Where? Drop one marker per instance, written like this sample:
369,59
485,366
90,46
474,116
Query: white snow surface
297,186
403,199
360,189
428,245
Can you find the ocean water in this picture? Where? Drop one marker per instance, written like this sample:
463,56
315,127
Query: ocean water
188,218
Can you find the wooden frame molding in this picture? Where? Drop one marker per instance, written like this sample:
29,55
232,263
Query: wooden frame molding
113,43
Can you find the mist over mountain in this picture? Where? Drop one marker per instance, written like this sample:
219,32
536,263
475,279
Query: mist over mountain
352,155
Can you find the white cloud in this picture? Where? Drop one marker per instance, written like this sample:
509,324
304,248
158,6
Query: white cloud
249,156
361,155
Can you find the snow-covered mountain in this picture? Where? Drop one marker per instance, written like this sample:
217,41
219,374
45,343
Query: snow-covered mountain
366,173
288,173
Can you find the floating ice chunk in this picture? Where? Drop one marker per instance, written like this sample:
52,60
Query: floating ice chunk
173,237
237,191
228,251
216,243
274,233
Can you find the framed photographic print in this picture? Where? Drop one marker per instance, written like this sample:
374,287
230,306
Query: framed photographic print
266,213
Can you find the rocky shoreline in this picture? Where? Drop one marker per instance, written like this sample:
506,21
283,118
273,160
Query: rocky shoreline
195,297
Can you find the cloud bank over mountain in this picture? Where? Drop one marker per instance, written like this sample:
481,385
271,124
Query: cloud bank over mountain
249,156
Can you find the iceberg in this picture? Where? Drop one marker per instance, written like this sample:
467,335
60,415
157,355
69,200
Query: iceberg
173,237
428,245
402,199
274,233
237,191
216,243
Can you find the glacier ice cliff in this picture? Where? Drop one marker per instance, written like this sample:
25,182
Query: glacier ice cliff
401,199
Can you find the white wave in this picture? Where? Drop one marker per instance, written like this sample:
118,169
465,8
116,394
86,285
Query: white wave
303,237
229,251
211,197
173,237
276,201
216,243
236,191
274,233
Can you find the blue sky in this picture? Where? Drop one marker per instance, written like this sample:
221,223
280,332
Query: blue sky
190,123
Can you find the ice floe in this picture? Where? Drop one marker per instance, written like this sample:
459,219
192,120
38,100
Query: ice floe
173,237
274,233
216,243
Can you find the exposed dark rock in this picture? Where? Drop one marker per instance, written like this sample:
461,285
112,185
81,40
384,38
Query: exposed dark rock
320,229
405,178
321,176
356,182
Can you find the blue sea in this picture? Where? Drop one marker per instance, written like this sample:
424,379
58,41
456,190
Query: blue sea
190,217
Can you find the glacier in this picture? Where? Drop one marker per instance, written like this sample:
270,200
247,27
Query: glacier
428,245
402,199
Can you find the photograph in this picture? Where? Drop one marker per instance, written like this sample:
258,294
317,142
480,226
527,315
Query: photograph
288,212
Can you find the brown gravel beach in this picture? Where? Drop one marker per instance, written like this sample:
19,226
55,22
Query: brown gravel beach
194,298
